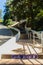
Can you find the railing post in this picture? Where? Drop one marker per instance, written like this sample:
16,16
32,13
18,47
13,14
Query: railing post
42,40
33,39
0,56
30,35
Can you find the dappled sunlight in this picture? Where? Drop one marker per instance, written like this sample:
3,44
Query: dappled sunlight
19,51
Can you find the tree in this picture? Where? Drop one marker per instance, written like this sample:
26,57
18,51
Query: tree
0,13
32,10
7,12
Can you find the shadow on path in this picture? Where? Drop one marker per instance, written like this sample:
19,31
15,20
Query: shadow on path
5,34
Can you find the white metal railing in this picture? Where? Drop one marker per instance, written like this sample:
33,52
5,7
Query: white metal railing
38,33
17,36
39,36
9,45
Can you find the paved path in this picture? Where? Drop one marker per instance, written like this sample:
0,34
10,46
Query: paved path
22,61
5,34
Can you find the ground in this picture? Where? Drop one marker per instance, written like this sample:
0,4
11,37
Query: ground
26,48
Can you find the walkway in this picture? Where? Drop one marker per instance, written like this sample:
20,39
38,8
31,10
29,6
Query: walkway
28,50
5,34
22,61
21,47
24,47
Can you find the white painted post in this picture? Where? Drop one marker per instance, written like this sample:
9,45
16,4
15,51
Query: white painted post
30,37
33,39
42,40
0,56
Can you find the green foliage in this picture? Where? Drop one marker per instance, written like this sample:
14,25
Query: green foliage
1,20
32,10
8,22
7,15
0,13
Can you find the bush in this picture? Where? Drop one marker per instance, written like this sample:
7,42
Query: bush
8,22
1,20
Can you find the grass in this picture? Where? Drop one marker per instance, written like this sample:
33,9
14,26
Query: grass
1,20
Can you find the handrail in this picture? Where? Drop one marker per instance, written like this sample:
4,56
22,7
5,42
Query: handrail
37,33
9,45
33,31
18,34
